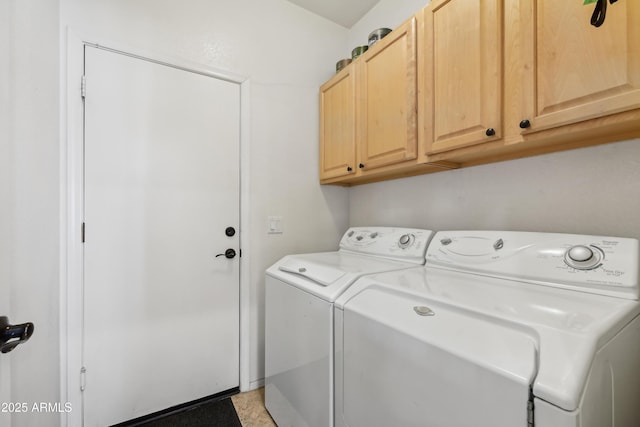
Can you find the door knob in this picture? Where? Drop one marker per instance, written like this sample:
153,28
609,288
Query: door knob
13,335
230,231
525,124
229,253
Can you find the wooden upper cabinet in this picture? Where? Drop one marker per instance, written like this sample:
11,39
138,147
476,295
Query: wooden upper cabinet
573,70
387,100
338,125
461,82
467,82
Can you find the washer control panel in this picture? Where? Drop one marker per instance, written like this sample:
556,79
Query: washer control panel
406,240
406,244
595,264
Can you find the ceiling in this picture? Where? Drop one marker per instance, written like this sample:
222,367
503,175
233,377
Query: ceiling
342,12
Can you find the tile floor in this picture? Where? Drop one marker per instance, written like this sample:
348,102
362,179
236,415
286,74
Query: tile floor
251,410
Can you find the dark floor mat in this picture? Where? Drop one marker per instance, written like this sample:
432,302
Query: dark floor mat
220,413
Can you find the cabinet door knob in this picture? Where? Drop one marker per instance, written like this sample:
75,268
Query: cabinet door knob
349,168
490,132
361,165
525,124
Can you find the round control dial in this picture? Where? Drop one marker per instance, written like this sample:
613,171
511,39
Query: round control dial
583,257
406,240
580,253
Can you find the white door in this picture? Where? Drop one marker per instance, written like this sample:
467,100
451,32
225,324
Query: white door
161,311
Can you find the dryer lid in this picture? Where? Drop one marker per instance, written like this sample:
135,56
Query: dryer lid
321,274
327,274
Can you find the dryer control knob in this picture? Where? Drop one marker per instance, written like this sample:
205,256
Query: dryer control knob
580,253
405,240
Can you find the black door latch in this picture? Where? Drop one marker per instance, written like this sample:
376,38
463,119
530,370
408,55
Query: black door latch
229,253
13,335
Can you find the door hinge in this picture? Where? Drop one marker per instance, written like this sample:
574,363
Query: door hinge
83,87
82,232
83,378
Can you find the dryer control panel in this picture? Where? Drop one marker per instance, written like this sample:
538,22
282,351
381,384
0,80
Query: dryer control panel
595,264
404,244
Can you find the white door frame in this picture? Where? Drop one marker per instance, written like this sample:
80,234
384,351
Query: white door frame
71,212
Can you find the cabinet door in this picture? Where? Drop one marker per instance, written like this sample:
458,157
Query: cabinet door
337,125
575,71
387,99
462,73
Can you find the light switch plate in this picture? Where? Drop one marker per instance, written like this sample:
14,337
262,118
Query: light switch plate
274,225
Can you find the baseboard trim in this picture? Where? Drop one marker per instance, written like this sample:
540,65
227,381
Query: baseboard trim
255,384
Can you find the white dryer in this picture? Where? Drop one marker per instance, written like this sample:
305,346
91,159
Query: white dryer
499,329
300,292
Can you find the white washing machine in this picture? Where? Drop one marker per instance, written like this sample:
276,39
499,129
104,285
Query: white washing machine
499,329
300,292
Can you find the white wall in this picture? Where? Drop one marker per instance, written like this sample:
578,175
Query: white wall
590,191
385,14
6,195
6,155
29,197
586,191
287,53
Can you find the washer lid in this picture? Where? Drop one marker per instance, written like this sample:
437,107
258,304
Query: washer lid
505,348
440,364
569,326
